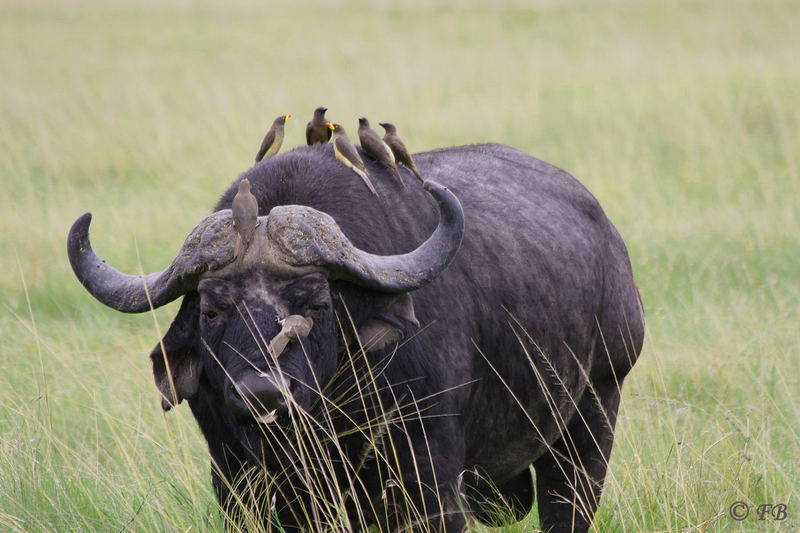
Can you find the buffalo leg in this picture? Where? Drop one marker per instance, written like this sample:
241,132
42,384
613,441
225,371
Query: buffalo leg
428,500
569,478
488,503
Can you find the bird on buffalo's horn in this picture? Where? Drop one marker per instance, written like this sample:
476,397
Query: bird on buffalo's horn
398,148
346,152
377,148
273,139
245,218
317,128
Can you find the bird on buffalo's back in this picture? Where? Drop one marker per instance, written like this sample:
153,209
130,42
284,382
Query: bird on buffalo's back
317,128
399,148
345,151
245,218
273,139
377,148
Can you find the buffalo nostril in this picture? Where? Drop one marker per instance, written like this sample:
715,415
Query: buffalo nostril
261,396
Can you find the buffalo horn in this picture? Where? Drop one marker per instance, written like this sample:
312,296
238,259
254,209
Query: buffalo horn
308,237
209,246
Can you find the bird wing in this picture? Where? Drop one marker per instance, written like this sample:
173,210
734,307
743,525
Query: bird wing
388,151
341,148
308,133
348,151
398,148
309,129
375,147
269,139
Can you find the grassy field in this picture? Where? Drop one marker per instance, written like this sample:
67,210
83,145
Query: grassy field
683,118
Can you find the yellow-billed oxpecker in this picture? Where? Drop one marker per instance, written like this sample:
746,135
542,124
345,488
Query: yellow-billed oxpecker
273,139
346,152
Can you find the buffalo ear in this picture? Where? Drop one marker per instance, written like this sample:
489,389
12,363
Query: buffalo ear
390,325
183,377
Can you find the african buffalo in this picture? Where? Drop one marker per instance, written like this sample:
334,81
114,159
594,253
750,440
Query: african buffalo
442,342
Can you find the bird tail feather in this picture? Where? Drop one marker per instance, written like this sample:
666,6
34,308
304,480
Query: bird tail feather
366,179
237,245
398,177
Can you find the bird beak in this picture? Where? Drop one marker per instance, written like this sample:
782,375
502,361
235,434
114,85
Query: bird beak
330,125
287,117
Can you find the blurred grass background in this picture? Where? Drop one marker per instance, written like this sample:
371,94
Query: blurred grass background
683,118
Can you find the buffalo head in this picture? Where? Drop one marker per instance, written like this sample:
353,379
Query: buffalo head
259,331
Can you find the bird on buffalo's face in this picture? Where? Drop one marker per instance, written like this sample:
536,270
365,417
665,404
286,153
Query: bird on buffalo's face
346,152
273,139
399,148
377,148
317,128
245,218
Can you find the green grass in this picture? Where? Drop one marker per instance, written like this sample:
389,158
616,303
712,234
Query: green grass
681,117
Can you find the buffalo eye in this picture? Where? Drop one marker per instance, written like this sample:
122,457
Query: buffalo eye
209,314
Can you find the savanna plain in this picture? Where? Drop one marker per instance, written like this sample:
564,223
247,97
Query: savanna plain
683,118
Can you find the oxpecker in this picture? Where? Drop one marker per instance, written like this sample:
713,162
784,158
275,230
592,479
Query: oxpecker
398,148
377,148
245,218
346,152
273,139
317,130
293,328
